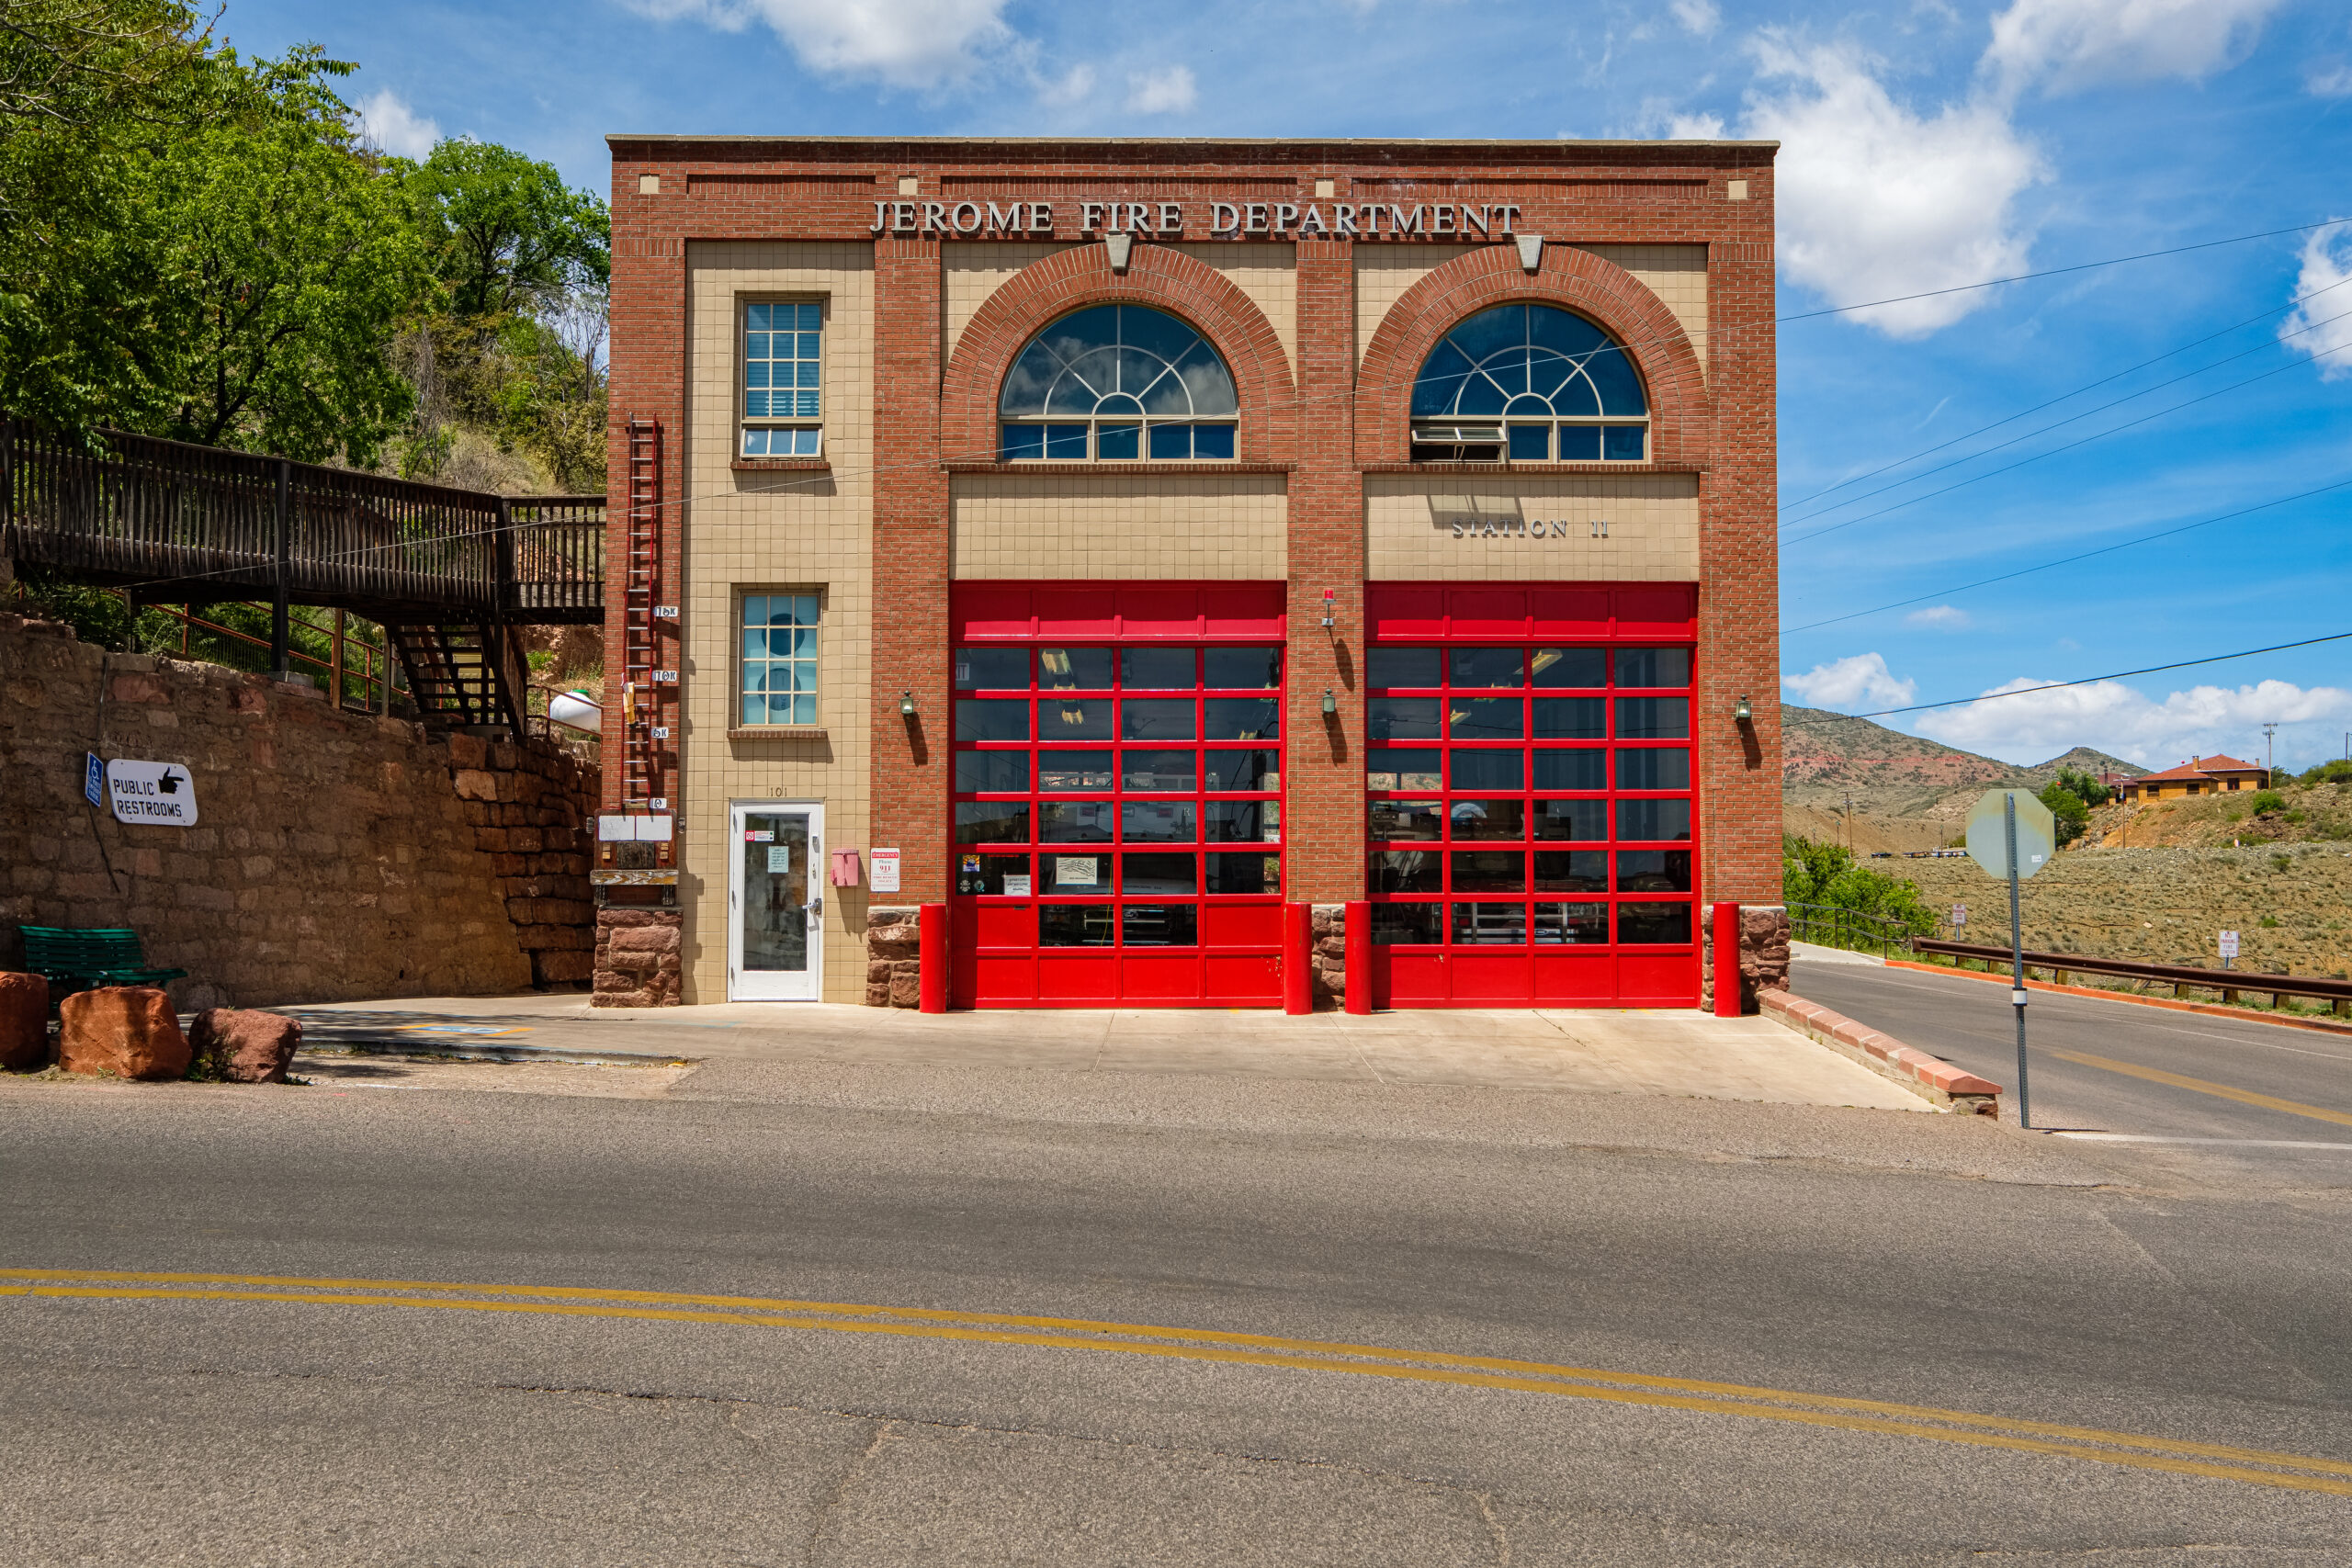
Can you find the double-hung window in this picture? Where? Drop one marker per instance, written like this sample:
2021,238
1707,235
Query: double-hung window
783,364
778,669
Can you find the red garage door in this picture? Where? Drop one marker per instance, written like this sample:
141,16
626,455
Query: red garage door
1117,815
1528,765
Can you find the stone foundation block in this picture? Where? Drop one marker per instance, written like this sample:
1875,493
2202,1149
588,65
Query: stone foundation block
127,1031
242,1045
23,1021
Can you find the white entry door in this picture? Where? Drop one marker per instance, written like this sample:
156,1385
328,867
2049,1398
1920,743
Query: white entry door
776,904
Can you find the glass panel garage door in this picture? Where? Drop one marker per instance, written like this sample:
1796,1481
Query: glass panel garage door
1530,822
1117,825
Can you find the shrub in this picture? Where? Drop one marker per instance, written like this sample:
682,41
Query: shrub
2266,800
1824,875
2068,810
2337,772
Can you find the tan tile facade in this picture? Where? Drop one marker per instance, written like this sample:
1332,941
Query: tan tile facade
1676,275
1266,274
1531,528
975,271
769,530
1384,272
1225,527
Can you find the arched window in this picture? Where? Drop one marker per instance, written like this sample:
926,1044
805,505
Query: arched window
1538,384
1117,382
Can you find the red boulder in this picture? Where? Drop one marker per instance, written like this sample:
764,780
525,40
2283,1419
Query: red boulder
244,1045
130,1032
23,1021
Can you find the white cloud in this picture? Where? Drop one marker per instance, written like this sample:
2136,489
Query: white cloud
1162,92
1074,87
2332,82
1853,682
1700,18
1942,617
906,44
1877,202
387,123
2327,262
2075,43
2128,723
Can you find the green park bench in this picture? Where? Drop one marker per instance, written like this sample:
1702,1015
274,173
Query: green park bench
83,960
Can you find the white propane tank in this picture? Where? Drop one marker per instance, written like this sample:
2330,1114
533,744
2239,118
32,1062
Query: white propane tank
577,710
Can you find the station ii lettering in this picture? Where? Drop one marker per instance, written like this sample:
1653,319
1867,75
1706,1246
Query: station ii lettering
1312,219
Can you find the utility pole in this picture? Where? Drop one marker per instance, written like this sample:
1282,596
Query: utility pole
2269,752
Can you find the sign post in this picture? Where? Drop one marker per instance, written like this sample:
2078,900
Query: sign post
2012,836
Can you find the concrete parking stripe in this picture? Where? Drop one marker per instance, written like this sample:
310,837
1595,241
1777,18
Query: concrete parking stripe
2201,1086
2134,1451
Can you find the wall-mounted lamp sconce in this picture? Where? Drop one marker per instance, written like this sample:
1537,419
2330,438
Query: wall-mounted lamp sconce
1741,713
1330,603
906,704
1330,703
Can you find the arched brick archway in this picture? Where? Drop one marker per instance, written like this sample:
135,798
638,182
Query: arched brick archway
1681,421
1159,276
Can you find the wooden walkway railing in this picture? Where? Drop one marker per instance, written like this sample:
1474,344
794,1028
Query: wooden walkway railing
177,523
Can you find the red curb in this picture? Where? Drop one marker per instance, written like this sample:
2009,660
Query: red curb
2217,1009
1931,1077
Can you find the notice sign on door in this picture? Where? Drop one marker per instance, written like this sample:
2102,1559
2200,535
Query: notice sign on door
152,793
886,870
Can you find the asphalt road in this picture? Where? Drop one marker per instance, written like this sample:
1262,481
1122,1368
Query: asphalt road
2261,1083
2004,1299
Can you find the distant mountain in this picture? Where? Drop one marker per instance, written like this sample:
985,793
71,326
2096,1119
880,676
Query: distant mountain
1826,755
2088,759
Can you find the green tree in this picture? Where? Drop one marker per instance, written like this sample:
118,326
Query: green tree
2066,808
507,235
2085,786
220,264
1823,875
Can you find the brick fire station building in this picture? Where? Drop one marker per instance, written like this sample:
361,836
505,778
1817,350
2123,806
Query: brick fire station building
1128,547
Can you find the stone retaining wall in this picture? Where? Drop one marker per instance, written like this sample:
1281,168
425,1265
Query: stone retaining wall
337,857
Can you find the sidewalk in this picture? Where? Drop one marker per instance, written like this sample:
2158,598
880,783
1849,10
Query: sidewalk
1615,1051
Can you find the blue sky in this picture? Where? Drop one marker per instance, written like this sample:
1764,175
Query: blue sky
1927,145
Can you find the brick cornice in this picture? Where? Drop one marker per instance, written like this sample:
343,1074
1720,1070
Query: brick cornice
1681,416
1158,276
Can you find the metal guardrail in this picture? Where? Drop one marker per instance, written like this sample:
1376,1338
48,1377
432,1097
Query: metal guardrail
1833,925
2180,977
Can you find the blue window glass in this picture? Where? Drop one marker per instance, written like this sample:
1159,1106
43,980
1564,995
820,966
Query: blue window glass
778,673
1065,442
783,374
1213,443
1124,364
1622,442
1580,443
1020,441
1527,361
1530,442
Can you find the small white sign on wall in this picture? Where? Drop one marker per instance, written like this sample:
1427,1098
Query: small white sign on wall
152,793
2229,944
884,866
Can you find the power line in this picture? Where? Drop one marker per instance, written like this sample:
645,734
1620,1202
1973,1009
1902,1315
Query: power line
2054,451
2070,418
2054,402
2085,681
2057,270
2069,560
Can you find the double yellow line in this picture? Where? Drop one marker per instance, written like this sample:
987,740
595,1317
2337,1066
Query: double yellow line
2256,1466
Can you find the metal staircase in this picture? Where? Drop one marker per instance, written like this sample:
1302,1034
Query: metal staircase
461,676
